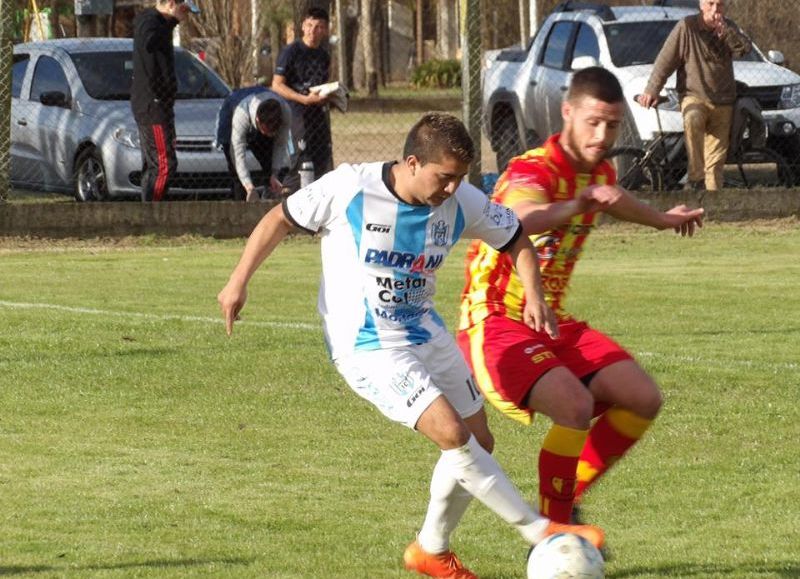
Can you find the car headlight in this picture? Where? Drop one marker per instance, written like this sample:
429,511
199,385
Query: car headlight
790,97
127,137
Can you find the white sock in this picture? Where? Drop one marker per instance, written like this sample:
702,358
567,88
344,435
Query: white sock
476,471
449,502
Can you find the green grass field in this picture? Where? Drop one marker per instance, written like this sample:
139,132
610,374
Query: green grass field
137,440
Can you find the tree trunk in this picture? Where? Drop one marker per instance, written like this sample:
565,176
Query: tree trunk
368,40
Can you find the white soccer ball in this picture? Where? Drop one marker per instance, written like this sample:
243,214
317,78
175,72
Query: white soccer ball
565,556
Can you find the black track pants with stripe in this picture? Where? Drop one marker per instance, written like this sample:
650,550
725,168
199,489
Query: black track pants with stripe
159,162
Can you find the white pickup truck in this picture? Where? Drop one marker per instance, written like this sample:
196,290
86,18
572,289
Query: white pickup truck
523,88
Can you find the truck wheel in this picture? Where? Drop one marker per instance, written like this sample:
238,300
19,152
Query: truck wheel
506,139
789,149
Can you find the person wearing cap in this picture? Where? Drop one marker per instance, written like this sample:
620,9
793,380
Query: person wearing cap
153,92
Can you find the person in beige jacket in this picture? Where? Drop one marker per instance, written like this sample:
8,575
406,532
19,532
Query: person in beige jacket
701,48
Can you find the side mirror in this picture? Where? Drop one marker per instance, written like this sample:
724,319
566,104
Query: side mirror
776,57
54,98
581,62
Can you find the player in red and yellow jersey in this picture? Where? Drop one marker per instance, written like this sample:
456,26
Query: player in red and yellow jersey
558,191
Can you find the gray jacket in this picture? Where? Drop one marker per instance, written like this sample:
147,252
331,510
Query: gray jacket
244,120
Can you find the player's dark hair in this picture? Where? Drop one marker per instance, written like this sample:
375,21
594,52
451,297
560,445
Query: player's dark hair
437,135
317,14
595,82
270,115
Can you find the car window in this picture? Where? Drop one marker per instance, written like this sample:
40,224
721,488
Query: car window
555,51
586,43
48,76
105,75
196,80
18,73
632,43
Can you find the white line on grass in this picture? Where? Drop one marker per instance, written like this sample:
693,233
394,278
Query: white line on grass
155,317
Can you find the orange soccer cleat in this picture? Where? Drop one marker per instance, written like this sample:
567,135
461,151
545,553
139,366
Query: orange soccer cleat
591,533
445,565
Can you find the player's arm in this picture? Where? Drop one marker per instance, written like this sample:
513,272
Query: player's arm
680,218
537,314
537,217
269,232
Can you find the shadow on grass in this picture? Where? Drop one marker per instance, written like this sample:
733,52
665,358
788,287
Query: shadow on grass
156,564
773,569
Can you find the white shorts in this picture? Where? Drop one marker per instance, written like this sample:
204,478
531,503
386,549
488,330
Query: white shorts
403,382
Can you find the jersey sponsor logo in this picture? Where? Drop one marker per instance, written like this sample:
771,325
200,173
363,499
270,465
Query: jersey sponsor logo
378,227
400,317
539,358
402,260
555,283
410,290
415,396
439,233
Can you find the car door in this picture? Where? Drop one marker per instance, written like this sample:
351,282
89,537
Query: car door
51,141
22,159
549,82
582,44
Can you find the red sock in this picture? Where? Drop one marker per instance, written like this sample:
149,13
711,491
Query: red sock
558,461
614,433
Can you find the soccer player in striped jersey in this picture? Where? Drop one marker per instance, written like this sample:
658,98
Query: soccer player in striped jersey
385,230
558,191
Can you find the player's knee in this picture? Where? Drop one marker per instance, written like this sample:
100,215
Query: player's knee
575,411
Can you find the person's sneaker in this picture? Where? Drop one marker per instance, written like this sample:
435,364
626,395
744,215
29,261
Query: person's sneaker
578,519
591,533
445,565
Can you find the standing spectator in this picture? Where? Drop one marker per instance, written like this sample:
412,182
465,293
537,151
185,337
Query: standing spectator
300,66
153,92
702,48
258,120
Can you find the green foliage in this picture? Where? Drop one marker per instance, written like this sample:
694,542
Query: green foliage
137,440
437,74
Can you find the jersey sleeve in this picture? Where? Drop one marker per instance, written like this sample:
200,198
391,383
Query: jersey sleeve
491,222
314,207
526,180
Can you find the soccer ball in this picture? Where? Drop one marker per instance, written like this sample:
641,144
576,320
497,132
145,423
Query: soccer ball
565,556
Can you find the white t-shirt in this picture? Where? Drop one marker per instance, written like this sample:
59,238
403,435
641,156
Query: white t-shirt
380,254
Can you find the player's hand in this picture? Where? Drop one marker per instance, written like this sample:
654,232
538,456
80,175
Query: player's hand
251,193
539,316
598,197
684,220
231,301
647,100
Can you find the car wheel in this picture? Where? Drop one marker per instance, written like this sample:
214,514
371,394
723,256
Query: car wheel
789,149
506,138
90,177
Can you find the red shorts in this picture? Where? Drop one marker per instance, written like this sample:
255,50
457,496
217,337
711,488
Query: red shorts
507,358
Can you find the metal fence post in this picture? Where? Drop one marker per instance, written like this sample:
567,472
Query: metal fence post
6,56
471,79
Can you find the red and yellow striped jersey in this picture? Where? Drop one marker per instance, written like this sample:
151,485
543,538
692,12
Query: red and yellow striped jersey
543,175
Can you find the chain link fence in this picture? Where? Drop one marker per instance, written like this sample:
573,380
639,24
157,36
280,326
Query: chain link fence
67,125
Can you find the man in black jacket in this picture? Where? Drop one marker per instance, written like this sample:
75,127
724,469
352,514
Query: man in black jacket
153,92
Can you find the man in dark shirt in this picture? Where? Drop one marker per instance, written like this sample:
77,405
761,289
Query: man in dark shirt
300,66
153,92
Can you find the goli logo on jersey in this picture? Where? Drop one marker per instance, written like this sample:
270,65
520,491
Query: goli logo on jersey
378,228
402,260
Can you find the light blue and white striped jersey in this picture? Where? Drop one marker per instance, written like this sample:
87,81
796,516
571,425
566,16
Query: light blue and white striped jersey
380,254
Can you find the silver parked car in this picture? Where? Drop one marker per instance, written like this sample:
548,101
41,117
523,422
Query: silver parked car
72,129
